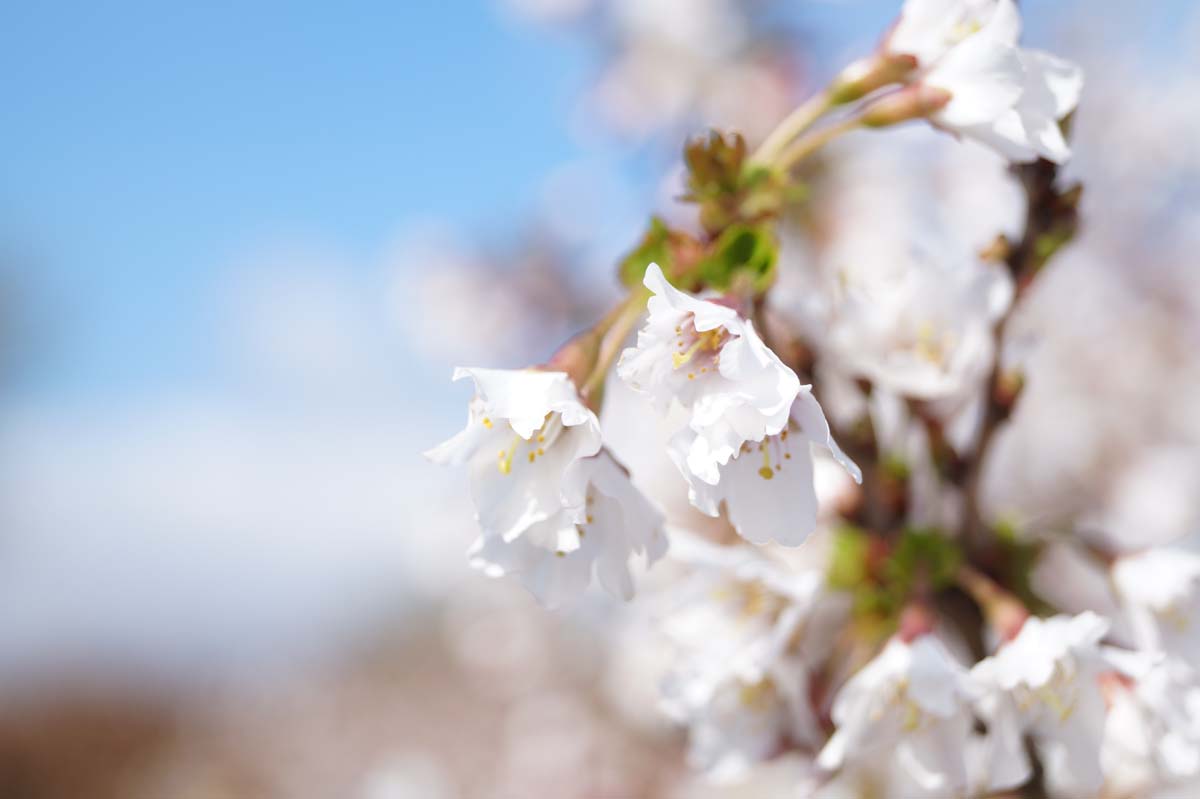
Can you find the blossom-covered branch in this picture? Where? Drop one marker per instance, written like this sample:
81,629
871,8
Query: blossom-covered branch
839,593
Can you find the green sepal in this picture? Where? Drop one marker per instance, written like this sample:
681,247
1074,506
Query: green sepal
742,252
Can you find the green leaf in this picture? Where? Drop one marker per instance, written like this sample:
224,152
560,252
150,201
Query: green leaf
741,251
848,560
653,248
926,553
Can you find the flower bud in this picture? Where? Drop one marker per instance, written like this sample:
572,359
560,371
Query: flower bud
577,357
868,74
913,102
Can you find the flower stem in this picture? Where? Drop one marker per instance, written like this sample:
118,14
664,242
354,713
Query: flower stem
797,122
614,329
807,145
1003,611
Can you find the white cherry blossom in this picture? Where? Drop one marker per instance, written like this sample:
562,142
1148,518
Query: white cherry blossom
768,488
750,422
1160,589
745,633
919,324
554,507
1002,95
706,357
1045,683
909,711
1152,734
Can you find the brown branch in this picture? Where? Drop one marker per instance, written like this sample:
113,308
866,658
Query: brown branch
1051,221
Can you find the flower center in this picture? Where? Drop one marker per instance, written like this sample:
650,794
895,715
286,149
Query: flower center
758,697
538,443
774,449
932,347
702,350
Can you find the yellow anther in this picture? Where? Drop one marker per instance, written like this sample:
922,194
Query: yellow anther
712,338
766,472
912,717
487,423
757,696
680,358
506,456
590,519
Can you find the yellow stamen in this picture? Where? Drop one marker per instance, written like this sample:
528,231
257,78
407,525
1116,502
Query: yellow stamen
766,472
506,457
680,358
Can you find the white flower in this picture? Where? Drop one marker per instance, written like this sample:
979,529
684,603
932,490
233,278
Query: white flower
768,487
913,703
554,507
556,558
742,405
1160,589
1002,95
918,325
1046,683
710,360
745,633
1152,735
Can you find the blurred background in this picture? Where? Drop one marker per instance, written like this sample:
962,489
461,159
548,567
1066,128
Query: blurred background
242,247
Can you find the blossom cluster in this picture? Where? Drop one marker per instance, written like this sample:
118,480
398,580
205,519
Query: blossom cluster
838,591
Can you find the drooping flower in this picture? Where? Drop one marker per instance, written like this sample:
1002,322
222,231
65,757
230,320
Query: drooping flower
909,711
746,635
1160,589
1002,95
747,414
710,360
768,487
1046,683
1152,735
919,325
553,506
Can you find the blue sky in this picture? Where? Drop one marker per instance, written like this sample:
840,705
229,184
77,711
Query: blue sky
145,148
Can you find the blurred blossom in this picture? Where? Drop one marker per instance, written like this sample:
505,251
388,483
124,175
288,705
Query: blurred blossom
457,309
410,775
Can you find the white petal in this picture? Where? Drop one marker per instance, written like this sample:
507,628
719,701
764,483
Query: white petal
923,29
780,508
1058,81
807,413
985,78
525,396
1004,25
1006,762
